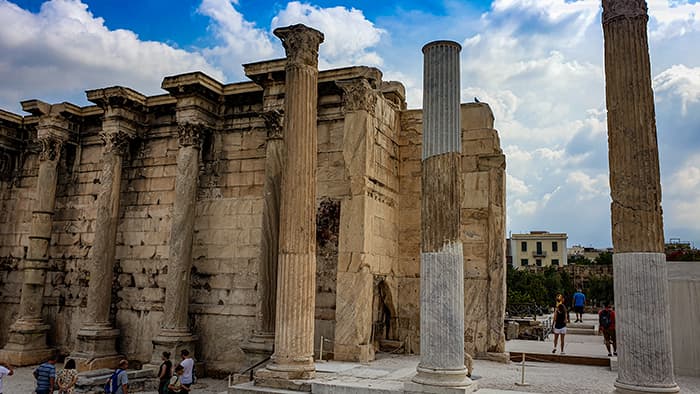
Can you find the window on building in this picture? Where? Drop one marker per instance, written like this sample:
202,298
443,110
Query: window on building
555,246
555,261
539,247
523,262
538,262
523,246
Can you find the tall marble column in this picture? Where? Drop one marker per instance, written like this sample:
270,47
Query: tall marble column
96,345
175,331
296,292
27,340
442,262
639,264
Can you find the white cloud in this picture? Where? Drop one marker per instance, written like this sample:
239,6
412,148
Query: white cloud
239,41
348,34
64,49
516,186
588,187
681,81
681,198
672,19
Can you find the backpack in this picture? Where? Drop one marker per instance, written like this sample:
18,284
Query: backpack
112,384
605,318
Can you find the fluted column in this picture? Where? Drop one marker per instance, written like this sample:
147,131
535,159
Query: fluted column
643,328
294,324
175,331
27,342
442,261
96,347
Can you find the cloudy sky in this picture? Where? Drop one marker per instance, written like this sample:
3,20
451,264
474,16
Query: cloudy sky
538,63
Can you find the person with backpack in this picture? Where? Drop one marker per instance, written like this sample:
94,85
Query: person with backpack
187,363
606,325
175,386
560,318
119,381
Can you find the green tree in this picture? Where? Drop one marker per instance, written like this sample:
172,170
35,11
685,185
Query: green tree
604,258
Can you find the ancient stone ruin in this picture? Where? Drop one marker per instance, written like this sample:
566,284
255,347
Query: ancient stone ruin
224,218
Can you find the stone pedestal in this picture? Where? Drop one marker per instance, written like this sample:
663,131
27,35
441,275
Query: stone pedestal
441,367
296,292
96,348
643,328
27,338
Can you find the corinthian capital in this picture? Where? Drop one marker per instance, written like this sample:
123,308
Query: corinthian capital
300,44
115,142
273,123
190,134
615,9
358,95
50,148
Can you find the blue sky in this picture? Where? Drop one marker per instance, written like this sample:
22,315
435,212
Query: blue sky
538,63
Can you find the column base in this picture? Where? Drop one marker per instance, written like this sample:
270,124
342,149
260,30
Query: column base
173,341
624,388
358,353
96,348
260,344
284,380
412,387
442,378
26,344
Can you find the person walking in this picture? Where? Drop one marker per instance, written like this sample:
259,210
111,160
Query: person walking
579,304
164,373
45,375
118,383
606,325
187,363
560,318
5,371
67,378
175,385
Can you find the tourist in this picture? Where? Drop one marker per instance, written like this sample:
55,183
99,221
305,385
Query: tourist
606,325
5,371
45,375
175,385
164,373
67,378
579,303
188,365
560,318
118,383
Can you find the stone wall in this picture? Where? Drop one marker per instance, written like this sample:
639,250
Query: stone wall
368,217
684,291
482,230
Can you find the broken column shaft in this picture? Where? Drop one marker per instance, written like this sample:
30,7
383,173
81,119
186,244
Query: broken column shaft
639,263
442,262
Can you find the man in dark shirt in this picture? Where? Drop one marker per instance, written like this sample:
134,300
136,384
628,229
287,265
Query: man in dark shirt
45,376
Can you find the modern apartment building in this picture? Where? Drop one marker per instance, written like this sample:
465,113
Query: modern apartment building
538,248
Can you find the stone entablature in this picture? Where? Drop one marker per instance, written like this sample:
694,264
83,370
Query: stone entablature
368,183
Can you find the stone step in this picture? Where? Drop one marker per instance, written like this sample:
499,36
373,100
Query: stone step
250,388
581,331
590,326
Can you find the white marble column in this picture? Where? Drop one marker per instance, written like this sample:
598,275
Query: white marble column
643,322
27,338
296,278
442,261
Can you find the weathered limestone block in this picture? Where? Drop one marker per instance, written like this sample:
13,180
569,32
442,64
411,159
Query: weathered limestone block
354,303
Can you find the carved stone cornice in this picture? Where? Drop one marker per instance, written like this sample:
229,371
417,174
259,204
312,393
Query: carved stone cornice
273,122
50,148
616,9
190,134
300,44
117,143
358,95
